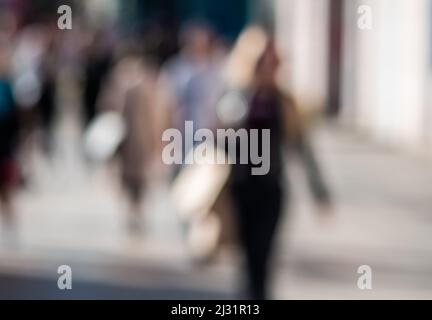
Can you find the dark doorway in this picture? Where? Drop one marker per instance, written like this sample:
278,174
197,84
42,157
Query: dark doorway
165,17
228,17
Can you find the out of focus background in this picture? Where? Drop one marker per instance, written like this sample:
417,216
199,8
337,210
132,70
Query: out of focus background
364,96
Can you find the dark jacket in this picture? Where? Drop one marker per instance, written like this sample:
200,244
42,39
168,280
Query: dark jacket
8,120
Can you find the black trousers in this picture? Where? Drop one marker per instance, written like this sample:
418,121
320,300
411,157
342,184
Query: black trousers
258,204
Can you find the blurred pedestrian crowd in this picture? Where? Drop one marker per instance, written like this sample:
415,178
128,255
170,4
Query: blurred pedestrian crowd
131,91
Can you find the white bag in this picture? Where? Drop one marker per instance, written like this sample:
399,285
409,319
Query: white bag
104,136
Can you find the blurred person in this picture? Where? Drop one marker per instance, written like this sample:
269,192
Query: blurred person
192,79
9,172
130,92
258,199
46,106
34,67
97,65
28,52
192,83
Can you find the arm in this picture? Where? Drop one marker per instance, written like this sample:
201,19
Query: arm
297,140
314,175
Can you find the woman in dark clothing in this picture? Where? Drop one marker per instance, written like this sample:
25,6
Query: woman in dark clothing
258,198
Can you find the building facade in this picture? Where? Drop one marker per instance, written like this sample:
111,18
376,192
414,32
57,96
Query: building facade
375,80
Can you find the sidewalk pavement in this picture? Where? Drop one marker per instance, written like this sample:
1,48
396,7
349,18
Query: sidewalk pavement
382,218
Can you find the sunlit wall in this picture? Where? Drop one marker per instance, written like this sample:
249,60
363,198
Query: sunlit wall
302,34
386,70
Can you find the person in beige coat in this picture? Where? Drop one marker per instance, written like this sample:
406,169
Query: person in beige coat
130,92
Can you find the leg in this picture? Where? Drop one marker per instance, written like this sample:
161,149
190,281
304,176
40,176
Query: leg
133,188
6,210
259,212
